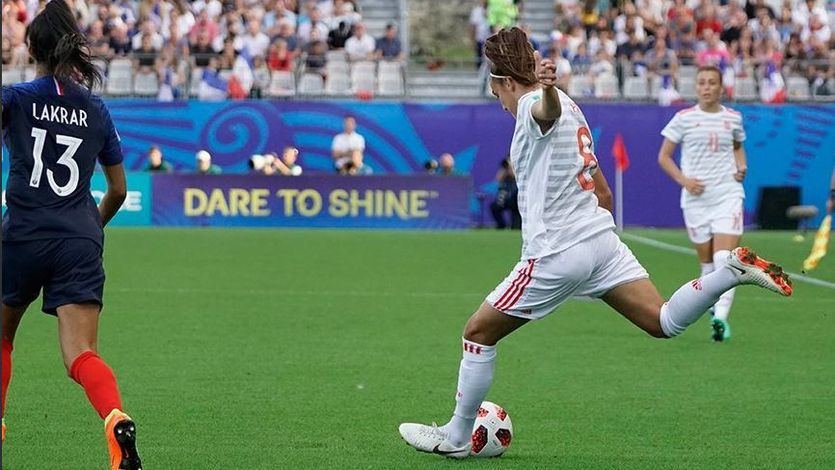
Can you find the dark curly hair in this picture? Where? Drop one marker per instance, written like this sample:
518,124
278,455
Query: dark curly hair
511,55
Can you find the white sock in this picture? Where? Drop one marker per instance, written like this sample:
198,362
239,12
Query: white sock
474,379
691,300
707,268
723,305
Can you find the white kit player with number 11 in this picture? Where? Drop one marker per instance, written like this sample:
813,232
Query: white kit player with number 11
569,246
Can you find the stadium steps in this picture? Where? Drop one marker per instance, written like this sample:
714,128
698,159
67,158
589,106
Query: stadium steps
376,14
539,15
445,84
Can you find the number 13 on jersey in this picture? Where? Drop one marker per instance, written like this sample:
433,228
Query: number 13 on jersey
589,161
72,144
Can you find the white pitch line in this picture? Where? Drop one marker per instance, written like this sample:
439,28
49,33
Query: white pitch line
690,251
312,293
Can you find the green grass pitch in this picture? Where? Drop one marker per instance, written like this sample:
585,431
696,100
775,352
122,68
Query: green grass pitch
266,349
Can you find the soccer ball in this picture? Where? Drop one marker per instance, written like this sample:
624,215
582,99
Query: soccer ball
492,431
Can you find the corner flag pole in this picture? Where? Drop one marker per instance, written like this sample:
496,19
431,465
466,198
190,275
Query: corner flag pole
619,199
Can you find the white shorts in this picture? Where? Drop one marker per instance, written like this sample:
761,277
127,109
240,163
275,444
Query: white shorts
590,268
705,221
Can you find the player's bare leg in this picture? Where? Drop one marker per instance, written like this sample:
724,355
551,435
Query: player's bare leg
722,246
486,327
11,320
640,302
78,333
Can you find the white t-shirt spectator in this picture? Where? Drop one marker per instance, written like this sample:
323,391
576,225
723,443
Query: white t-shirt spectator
305,28
256,45
348,142
157,41
360,48
213,7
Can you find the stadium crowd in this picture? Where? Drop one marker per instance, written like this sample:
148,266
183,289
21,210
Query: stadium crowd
753,39
234,44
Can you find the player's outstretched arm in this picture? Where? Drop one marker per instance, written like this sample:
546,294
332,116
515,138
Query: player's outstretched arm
547,110
117,191
666,162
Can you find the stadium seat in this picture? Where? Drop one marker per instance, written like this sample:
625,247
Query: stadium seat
390,79
745,89
12,75
337,67
282,83
655,82
120,77
635,88
606,86
311,84
102,66
363,76
146,84
338,83
687,87
687,71
579,86
194,82
797,88
336,56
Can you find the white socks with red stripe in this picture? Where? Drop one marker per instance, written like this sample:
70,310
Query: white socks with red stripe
474,379
691,300
707,268
723,305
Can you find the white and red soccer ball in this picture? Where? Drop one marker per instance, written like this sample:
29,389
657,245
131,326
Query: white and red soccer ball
492,431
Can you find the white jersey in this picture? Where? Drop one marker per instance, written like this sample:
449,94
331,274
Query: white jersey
554,175
707,152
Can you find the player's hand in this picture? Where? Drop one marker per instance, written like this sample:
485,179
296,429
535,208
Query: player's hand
546,70
694,186
740,173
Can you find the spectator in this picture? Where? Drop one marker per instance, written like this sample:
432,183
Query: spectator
446,165
628,20
260,77
99,44
661,60
204,24
506,198
148,29
274,17
763,26
171,76
146,54
360,46
226,60
343,12
752,7
531,39
287,165
388,46
356,166
280,58
338,36
795,56
287,33
714,52
603,40
315,54
156,163
501,13
347,145
204,164
581,62
202,50
305,32
479,29
708,21
686,48
7,50
602,65
120,43
254,42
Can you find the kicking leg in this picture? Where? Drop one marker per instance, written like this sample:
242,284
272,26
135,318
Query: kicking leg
78,330
640,302
11,320
483,330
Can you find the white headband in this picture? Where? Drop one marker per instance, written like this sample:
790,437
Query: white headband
493,75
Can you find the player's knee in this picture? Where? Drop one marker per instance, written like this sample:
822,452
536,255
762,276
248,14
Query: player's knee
478,331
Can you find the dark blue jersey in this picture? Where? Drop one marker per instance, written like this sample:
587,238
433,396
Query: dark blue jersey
54,132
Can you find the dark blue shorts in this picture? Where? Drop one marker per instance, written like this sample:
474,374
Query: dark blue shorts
69,271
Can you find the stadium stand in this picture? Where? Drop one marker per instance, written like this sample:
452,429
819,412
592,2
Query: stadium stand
786,42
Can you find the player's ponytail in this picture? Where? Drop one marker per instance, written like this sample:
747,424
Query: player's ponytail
59,47
511,55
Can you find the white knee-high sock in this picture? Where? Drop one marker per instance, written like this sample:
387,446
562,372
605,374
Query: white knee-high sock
723,305
691,300
474,379
707,268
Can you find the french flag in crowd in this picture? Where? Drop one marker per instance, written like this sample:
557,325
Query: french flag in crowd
773,87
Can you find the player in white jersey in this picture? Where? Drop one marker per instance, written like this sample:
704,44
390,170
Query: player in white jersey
712,169
569,244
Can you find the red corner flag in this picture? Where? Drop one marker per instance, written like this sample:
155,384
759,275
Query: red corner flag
620,153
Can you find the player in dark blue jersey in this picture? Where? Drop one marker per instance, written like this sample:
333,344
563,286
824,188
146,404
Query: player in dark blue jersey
56,130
